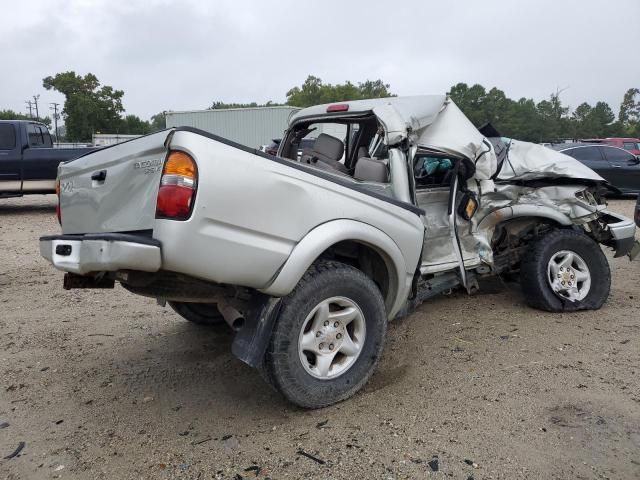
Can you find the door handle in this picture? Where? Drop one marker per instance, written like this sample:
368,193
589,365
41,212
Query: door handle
100,176
616,166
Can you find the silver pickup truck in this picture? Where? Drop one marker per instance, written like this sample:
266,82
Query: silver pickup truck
308,254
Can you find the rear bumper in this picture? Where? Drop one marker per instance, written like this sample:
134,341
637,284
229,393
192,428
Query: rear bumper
82,254
623,232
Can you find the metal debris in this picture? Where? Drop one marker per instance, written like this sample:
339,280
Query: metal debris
16,452
322,424
198,442
308,455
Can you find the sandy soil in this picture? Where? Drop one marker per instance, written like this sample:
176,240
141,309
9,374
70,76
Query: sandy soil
104,384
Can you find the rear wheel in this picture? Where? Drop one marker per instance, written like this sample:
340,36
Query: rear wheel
565,270
200,313
328,337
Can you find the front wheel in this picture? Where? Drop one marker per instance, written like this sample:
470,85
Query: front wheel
328,337
565,270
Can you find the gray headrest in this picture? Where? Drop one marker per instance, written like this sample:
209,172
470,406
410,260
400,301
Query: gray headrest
371,170
329,146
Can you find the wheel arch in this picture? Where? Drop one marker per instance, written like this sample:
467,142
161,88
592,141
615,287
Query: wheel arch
353,242
523,211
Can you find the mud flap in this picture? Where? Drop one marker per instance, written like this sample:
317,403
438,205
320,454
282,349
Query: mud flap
251,342
635,250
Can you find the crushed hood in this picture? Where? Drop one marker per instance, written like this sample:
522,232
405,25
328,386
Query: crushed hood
529,161
452,132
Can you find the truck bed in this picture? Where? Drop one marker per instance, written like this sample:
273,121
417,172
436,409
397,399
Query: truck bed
251,209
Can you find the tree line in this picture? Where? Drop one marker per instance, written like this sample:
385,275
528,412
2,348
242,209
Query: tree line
548,120
91,107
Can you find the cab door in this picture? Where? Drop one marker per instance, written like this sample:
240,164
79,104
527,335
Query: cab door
39,161
448,241
10,160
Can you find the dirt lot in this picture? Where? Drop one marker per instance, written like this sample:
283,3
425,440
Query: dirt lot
104,384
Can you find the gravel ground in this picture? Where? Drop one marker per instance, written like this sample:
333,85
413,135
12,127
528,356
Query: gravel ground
104,384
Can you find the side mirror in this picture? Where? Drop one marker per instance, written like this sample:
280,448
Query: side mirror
635,160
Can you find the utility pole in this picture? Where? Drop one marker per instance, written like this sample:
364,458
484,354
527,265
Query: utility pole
54,106
35,100
30,107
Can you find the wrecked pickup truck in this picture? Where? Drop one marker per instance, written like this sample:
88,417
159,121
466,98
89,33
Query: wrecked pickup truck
308,255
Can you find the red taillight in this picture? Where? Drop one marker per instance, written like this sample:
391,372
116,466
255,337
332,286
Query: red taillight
58,212
338,107
177,187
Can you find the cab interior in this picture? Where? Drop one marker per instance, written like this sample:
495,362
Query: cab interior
350,147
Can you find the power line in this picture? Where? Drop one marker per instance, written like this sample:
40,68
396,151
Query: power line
54,107
30,107
35,100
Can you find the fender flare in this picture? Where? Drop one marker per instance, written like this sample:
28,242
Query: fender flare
516,211
318,240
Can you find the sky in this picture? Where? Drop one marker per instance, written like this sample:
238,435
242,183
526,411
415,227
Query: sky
184,54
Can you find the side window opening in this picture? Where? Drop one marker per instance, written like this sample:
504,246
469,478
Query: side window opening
338,146
432,170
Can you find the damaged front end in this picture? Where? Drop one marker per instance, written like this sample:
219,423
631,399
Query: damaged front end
569,206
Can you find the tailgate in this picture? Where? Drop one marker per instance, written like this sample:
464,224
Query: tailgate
113,189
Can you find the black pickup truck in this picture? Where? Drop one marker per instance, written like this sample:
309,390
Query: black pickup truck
28,161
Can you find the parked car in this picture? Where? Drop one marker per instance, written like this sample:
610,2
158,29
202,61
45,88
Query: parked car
308,260
616,165
630,144
28,161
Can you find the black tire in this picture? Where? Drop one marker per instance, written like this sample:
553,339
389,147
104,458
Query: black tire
200,313
284,368
533,272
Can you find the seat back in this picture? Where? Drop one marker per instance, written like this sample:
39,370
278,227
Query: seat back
326,149
371,170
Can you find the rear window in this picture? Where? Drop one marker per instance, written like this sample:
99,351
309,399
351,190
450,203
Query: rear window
631,146
7,136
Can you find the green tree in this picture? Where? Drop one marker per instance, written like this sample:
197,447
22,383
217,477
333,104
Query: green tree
134,125
470,101
483,107
601,119
554,123
314,92
629,116
580,121
524,121
89,107
11,115
158,122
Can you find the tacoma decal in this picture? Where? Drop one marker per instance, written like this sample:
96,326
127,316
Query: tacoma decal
148,166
